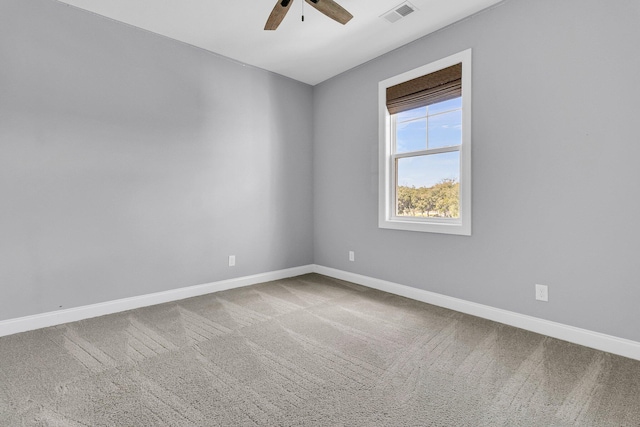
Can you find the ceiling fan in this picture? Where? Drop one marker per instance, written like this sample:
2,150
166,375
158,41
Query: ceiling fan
328,7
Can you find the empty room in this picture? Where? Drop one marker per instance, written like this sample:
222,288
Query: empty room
319,213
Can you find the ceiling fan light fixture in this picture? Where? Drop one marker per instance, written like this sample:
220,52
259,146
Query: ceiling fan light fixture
328,8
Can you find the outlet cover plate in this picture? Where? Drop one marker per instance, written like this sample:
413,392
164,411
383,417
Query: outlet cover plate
542,292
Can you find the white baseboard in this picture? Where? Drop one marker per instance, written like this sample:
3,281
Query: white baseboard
29,323
599,341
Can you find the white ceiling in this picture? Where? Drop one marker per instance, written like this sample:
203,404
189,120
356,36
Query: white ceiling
310,51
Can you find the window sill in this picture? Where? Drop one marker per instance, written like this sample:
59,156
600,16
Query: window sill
426,226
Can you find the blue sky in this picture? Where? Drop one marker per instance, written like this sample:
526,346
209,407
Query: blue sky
445,129
426,171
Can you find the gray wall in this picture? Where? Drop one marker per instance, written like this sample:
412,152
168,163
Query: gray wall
131,163
555,166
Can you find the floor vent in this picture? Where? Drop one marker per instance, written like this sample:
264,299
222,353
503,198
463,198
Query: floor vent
399,12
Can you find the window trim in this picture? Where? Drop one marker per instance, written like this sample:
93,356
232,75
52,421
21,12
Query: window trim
387,187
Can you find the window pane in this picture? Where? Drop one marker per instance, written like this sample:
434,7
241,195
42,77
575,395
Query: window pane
412,114
449,105
411,136
429,186
445,130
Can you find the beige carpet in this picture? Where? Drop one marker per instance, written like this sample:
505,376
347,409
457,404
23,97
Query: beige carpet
307,351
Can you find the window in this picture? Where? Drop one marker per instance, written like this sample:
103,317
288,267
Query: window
425,148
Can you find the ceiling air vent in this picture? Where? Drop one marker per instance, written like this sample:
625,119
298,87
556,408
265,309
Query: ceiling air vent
399,12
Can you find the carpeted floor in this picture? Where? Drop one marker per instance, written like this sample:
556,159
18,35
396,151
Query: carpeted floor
307,351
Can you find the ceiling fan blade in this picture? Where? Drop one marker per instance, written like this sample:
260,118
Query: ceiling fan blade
277,14
332,9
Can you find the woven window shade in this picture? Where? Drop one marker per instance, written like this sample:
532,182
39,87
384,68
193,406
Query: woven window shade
425,90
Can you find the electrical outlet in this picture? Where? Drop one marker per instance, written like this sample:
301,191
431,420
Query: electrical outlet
542,292
232,260
352,256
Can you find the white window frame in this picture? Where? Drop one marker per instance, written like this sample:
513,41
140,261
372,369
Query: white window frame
387,217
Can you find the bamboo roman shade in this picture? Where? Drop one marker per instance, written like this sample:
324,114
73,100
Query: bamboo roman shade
425,90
